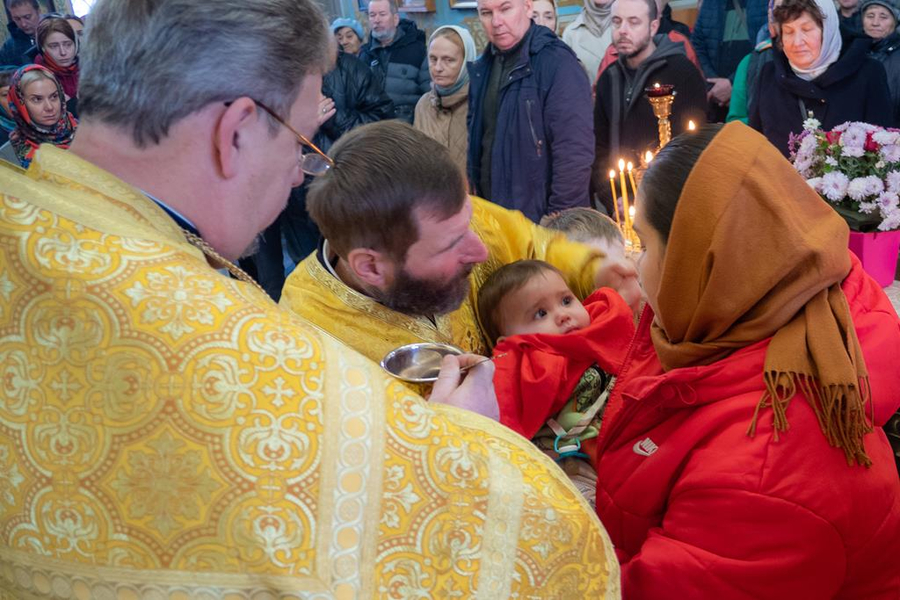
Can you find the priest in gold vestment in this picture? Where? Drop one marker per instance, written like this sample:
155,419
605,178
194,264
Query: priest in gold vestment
403,267
168,432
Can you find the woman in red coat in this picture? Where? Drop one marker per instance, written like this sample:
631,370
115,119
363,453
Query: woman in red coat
741,454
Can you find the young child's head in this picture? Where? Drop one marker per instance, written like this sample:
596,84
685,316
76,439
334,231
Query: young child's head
528,296
590,227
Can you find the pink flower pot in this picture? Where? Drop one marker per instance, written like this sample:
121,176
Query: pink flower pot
878,253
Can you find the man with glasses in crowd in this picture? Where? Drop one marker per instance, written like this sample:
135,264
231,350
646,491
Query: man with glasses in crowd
167,430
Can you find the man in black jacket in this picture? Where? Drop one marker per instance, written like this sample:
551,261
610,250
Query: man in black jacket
623,118
396,54
25,16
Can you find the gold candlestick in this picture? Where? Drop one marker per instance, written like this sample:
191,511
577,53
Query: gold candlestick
661,98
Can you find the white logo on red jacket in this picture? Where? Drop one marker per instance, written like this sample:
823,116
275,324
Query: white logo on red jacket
645,447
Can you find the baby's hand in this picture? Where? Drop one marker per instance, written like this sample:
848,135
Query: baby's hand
475,393
622,277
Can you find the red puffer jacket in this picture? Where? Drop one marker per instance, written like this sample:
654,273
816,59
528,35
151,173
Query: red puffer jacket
697,509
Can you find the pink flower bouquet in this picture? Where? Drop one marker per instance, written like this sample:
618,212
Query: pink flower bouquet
856,168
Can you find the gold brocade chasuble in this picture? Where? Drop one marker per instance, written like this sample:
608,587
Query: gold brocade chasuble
374,330
167,432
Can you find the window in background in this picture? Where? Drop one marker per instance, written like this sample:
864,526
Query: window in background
82,7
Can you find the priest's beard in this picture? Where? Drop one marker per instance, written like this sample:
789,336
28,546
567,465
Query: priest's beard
424,297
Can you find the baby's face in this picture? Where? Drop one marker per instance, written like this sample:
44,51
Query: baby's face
543,305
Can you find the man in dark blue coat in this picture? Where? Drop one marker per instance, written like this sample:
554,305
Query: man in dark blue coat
531,132
396,54
724,34
25,16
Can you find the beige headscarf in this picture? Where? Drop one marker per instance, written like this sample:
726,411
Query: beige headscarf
754,253
597,18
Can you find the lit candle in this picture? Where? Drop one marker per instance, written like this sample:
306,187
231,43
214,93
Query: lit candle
612,186
648,157
691,126
624,192
633,186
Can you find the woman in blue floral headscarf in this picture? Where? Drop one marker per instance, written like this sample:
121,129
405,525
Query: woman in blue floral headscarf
37,105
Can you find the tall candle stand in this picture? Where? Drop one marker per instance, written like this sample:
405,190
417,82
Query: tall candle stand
661,97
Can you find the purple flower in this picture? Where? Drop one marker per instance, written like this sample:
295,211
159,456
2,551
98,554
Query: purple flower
815,183
834,186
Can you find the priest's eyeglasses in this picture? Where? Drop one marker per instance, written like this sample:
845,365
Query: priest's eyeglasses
312,163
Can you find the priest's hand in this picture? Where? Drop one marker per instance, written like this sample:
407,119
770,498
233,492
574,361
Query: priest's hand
475,392
620,275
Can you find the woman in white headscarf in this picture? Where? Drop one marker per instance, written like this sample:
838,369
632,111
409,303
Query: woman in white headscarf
590,34
814,74
441,113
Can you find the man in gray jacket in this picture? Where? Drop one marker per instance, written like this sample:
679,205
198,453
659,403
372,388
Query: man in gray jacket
396,54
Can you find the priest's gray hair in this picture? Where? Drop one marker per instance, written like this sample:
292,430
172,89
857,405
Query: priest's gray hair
149,63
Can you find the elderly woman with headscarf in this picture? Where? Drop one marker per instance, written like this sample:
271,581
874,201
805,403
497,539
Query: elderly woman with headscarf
742,453
36,102
441,113
813,74
879,20
590,34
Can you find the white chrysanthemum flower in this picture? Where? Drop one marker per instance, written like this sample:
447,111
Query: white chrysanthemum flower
854,138
857,189
888,201
893,181
811,124
890,153
834,186
891,220
885,137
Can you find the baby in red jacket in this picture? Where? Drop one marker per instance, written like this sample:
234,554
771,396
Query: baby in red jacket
560,360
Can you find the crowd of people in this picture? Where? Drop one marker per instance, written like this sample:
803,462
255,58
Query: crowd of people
706,421
522,106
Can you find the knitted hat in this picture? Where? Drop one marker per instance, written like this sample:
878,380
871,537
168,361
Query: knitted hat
351,23
888,4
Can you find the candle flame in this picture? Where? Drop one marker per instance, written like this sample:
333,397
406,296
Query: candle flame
630,165
656,85
648,157
621,164
612,174
631,212
691,126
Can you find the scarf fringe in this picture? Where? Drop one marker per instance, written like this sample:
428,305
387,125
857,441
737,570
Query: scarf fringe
840,410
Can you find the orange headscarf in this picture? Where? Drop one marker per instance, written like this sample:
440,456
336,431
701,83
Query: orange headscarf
753,254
